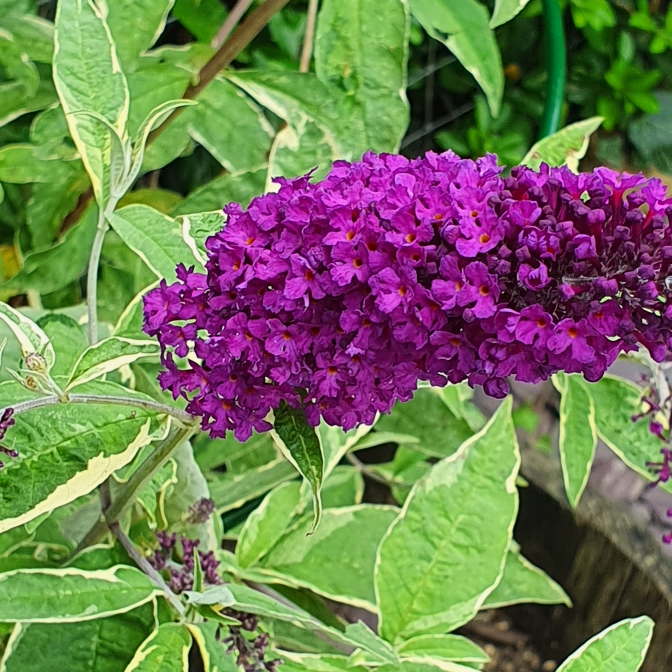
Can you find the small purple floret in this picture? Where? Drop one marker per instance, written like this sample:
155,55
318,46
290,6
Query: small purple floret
341,295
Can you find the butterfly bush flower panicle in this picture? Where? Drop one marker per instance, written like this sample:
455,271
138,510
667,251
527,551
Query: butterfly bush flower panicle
341,295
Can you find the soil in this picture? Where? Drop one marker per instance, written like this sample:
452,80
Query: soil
509,649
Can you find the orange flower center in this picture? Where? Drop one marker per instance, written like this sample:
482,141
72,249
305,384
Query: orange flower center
572,332
357,263
484,238
484,290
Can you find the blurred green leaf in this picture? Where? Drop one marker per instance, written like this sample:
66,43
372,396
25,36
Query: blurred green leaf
464,28
505,10
67,338
56,267
202,18
135,26
230,126
522,582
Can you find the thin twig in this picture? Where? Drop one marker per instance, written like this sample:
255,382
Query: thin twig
144,565
307,50
371,473
243,35
427,70
130,490
235,15
436,124
135,402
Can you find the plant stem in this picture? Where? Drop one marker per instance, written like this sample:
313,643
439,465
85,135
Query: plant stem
92,277
243,35
145,404
370,473
231,22
556,57
307,50
144,565
130,490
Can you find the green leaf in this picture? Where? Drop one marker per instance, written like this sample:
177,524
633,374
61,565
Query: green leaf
165,650
155,238
212,595
67,338
55,267
16,101
427,577
146,20
336,443
616,401
366,58
319,126
442,648
267,523
343,487
300,662
620,648
109,355
464,28
34,34
230,126
300,444
564,148
428,418
213,652
65,450
578,434
51,202
505,10
30,336
101,645
230,491
407,666
68,595
522,582
196,229
202,18
26,163
89,78
337,561
130,321
228,188
191,488
366,639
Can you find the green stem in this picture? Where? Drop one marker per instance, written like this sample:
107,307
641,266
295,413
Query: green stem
130,490
145,404
556,55
92,277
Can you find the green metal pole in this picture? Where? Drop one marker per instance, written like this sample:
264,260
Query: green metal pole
556,56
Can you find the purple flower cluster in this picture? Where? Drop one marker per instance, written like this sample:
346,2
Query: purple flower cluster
341,295
250,653
6,421
181,575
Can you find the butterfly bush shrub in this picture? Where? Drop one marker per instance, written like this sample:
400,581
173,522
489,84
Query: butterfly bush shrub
212,520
